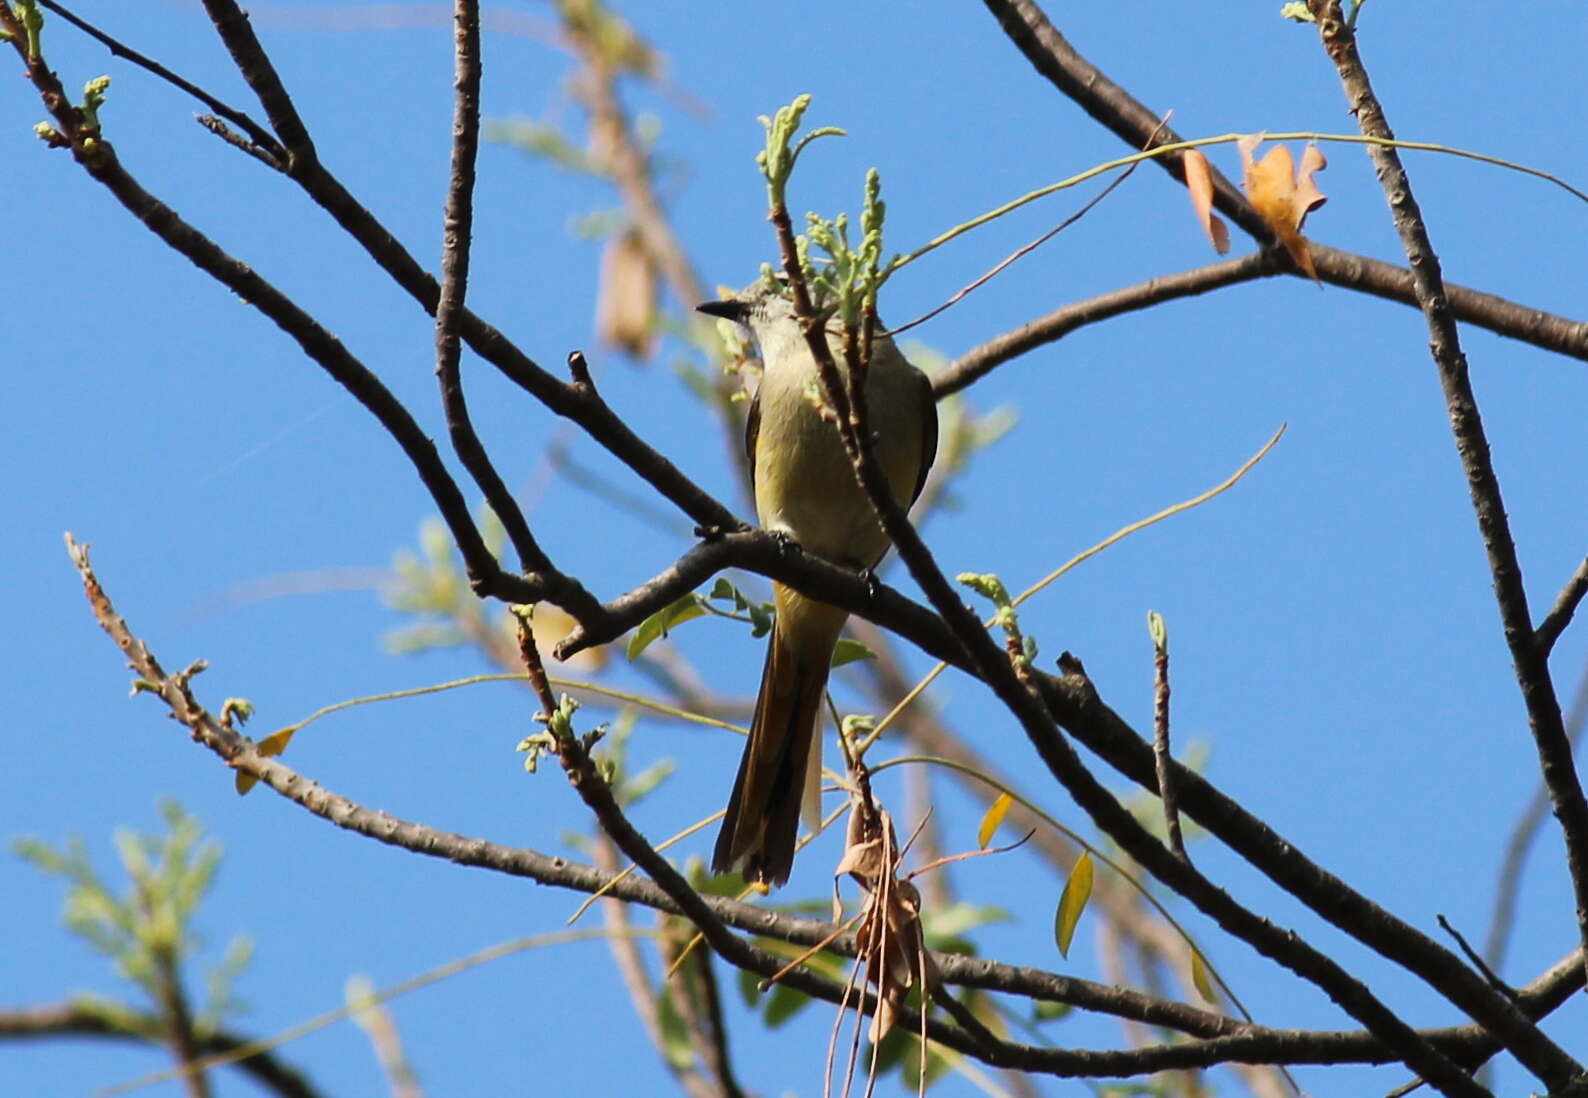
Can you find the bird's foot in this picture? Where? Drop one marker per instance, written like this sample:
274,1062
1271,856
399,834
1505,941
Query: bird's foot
873,584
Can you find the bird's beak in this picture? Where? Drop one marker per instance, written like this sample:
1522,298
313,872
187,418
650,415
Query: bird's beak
727,310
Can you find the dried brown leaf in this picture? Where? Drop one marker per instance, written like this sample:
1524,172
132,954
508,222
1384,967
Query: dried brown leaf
1282,196
1199,182
626,296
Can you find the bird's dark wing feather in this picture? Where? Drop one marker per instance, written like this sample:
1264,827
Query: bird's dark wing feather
752,429
928,433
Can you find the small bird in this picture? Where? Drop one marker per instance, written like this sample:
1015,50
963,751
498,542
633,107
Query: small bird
805,490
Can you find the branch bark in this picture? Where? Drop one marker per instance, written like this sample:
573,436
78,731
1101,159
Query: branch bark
1528,657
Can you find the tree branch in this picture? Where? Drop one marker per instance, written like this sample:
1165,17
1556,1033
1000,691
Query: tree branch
1117,110
74,1019
1506,885
1079,710
977,362
1015,690
1560,614
1530,662
458,229
263,142
1226,1038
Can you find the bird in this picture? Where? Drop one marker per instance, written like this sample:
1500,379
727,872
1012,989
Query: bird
806,492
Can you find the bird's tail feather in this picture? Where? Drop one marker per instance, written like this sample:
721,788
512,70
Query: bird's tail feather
761,825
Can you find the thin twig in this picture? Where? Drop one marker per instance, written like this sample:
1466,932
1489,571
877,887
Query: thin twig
1507,886
1019,252
636,981
982,360
264,145
97,156
1560,614
458,222
578,402
1476,961
221,130
1529,662
713,1029
1160,737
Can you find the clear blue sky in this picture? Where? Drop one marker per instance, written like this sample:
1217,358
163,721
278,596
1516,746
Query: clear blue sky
1336,645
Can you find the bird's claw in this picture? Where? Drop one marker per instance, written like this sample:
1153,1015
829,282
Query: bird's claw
873,584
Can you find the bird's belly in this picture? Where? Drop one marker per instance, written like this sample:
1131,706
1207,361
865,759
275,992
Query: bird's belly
808,489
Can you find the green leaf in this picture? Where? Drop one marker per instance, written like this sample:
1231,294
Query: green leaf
848,650
749,987
891,1050
910,1067
1044,1011
646,780
1157,630
674,614
675,1034
987,585
783,1003
1077,890
959,917
1200,978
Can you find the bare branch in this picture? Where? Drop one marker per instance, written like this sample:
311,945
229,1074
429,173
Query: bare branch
997,671
1507,884
1228,1039
126,1024
636,981
980,361
1160,736
457,234
578,402
1116,109
263,144
1530,662
1560,614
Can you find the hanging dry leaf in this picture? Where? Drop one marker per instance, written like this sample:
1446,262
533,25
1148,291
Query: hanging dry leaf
1282,196
626,296
1199,182
890,946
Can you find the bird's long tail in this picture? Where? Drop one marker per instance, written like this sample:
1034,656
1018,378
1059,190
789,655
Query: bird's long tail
762,822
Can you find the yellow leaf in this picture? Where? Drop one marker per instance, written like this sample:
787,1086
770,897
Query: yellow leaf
1077,890
1282,196
995,816
276,742
1200,979
273,744
1199,182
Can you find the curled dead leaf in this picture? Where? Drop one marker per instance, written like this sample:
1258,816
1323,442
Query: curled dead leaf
626,296
1199,183
1282,195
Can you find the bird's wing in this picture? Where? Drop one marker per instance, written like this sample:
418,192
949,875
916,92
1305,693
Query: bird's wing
928,433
